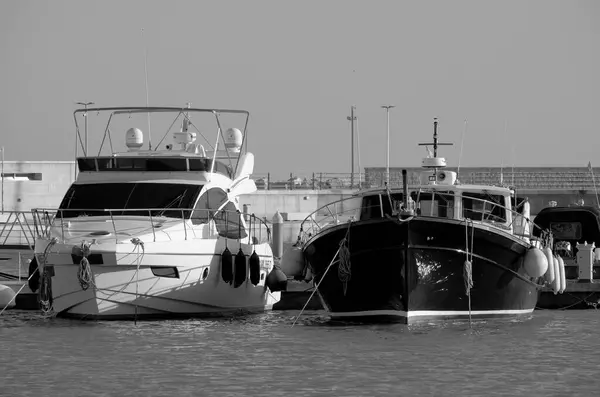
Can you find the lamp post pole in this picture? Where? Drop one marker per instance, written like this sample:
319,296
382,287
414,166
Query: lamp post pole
352,118
2,176
86,123
387,159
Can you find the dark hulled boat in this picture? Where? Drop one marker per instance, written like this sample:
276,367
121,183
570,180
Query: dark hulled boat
438,250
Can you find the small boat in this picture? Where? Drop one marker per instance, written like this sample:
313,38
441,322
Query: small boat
438,250
157,232
572,226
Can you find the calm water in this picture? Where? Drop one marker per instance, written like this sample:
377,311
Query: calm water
556,353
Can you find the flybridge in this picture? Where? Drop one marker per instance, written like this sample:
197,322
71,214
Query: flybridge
153,164
192,148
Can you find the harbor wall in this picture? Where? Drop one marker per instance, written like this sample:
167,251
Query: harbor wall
35,184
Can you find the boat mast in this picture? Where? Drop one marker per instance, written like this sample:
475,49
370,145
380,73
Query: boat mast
435,162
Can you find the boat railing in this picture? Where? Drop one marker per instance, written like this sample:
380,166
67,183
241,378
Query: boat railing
195,223
17,229
482,211
17,240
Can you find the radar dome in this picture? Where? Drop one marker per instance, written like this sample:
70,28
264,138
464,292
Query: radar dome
134,138
233,139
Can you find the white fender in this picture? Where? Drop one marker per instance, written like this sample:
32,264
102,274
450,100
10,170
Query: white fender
557,279
550,276
292,262
7,297
535,262
563,279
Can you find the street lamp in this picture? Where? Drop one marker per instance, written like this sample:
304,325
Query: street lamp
86,121
387,161
352,118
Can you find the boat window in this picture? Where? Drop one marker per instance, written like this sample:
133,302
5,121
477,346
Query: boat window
484,207
207,205
434,203
371,207
205,164
566,230
86,164
227,220
141,164
169,272
164,199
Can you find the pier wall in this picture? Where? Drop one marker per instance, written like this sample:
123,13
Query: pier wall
31,184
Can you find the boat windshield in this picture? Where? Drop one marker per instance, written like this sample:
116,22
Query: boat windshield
95,199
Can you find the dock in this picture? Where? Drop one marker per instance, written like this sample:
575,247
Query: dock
577,295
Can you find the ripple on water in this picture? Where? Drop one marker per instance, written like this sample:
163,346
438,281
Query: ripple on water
553,353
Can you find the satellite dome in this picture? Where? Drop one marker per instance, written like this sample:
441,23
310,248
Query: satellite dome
134,138
233,139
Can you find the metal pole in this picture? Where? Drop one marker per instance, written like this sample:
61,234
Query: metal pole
351,118
2,176
86,123
387,159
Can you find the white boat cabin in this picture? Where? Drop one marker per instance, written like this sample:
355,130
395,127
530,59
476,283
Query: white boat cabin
445,199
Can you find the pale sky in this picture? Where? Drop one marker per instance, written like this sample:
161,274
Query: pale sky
532,67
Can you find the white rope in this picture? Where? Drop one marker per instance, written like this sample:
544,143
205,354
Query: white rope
138,243
342,244
468,264
46,281
84,274
19,291
344,265
317,286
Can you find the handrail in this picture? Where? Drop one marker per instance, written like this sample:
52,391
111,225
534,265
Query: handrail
311,226
45,219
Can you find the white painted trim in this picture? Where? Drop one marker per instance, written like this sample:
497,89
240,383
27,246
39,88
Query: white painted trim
428,313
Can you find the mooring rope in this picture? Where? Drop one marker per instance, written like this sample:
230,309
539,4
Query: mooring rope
84,274
337,253
138,243
344,265
468,264
46,299
19,291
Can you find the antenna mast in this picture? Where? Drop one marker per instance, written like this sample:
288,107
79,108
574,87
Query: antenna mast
435,162
146,82
462,140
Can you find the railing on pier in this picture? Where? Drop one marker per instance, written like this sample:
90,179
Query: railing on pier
574,180
17,240
195,223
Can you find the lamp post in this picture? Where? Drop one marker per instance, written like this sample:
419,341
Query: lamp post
86,122
351,118
2,176
387,159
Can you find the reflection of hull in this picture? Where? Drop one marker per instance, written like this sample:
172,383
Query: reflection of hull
413,271
175,279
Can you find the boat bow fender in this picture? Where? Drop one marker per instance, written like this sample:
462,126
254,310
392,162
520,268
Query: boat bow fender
292,262
536,263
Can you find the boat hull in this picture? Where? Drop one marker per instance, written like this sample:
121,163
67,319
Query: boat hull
166,280
415,271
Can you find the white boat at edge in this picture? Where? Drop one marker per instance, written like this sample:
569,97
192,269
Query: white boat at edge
141,233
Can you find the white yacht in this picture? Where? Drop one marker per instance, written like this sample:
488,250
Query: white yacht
157,231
